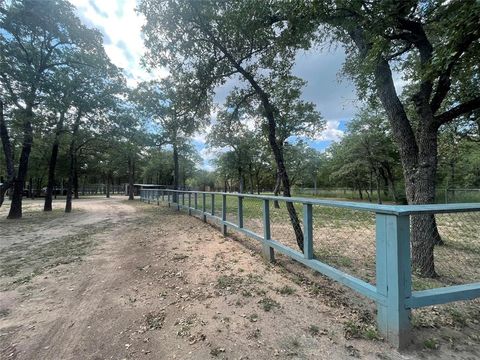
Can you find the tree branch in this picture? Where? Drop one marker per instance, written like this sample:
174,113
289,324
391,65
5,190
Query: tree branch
457,111
444,80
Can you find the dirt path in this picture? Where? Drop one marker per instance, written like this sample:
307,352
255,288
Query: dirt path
158,284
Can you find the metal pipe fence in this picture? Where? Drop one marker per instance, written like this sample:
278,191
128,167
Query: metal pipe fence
372,241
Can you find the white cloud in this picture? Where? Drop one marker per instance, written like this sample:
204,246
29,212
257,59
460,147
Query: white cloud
331,132
121,27
207,156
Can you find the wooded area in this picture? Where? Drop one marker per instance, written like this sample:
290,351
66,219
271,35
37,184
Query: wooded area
68,117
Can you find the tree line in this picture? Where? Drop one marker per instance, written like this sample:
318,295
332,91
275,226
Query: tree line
59,88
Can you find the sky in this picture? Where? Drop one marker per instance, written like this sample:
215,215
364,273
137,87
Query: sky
333,95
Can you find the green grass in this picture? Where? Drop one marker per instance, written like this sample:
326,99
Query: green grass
286,290
430,344
268,304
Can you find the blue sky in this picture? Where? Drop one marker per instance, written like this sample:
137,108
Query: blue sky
334,96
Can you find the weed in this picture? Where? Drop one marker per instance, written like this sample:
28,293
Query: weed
246,293
458,317
155,321
228,282
358,330
268,304
286,290
430,344
314,330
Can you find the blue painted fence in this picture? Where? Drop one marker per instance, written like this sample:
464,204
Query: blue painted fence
393,290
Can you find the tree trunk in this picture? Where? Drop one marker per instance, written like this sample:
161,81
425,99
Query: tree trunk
240,180
108,187
424,233
175,171
83,184
8,153
257,179
71,172
75,177
276,190
391,183
16,205
53,164
379,190
272,139
250,174
419,162
130,179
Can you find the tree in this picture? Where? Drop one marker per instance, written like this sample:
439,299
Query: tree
231,132
37,39
210,41
179,111
8,152
435,45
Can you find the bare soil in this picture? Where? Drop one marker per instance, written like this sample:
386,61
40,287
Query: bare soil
127,280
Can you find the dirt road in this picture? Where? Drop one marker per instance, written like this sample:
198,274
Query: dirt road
147,282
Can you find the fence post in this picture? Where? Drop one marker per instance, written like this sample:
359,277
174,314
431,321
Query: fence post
307,231
213,204
240,212
204,197
394,278
177,195
189,203
195,201
168,198
157,192
267,250
224,214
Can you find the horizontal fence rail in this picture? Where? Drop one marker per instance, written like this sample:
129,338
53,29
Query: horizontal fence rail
392,291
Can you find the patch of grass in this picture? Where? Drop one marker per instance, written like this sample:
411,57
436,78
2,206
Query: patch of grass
430,344
155,321
259,292
459,317
291,347
314,330
329,256
371,333
229,282
27,261
419,283
253,317
286,290
268,304
359,330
